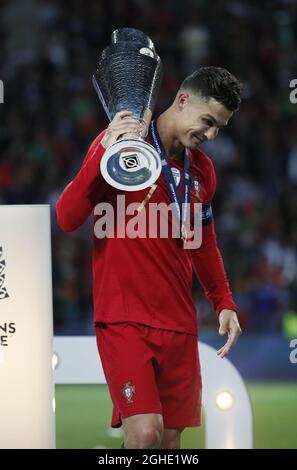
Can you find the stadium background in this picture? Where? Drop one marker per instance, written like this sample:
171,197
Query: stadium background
51,113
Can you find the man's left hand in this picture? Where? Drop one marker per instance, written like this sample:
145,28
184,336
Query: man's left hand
228,324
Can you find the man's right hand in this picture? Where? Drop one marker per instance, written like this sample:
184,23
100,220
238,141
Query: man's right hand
122,123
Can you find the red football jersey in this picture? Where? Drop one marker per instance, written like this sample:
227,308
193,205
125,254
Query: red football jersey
148,280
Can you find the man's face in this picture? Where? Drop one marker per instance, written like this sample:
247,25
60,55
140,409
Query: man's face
199,120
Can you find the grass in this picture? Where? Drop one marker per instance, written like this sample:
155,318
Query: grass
83,417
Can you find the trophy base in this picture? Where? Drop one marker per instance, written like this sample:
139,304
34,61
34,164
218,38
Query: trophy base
131,165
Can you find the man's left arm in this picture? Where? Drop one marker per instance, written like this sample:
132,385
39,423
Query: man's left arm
209,267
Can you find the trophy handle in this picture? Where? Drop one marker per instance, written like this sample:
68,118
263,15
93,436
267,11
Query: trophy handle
142,135
100,95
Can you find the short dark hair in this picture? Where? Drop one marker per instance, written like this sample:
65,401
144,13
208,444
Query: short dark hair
217,83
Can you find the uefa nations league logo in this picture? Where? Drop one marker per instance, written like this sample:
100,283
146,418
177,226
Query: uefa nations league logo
3,291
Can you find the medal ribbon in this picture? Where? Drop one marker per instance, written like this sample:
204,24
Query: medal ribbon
181,207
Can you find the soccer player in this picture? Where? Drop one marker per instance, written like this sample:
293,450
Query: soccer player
144,315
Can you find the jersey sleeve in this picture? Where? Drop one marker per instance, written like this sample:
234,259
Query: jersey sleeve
81,195
207,259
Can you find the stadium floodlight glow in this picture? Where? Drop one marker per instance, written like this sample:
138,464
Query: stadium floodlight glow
55,360
224,400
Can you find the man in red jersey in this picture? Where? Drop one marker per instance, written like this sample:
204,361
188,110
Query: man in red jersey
145,318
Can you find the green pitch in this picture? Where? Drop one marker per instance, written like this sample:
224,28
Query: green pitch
83,417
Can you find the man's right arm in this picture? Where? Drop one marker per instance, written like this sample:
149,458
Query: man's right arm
78,198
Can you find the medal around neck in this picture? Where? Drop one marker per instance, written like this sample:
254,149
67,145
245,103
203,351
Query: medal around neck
128,77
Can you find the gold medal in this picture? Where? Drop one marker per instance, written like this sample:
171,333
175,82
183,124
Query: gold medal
183,233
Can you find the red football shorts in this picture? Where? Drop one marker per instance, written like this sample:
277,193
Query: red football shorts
150,370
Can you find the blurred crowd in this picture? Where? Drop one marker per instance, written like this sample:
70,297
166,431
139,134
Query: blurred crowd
51,114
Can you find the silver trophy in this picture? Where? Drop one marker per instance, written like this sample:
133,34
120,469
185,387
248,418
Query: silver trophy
128,77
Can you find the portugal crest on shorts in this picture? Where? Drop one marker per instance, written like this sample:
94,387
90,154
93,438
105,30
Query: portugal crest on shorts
128,391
